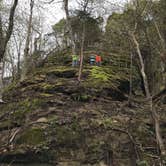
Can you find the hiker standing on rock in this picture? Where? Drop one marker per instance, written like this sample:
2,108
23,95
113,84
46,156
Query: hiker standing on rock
74,60
98,60
92,60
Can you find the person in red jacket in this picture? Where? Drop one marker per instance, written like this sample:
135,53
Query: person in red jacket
98,60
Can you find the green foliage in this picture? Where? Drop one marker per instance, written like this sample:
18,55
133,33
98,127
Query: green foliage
60,26
90,23
60,58
78,19
118,41
115,35
32,136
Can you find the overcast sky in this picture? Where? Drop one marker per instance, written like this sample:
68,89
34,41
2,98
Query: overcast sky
52,13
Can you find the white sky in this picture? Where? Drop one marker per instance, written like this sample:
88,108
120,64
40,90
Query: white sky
52,13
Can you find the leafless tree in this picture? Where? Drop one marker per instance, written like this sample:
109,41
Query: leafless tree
4,38
68,24
27,44
152,109
84,5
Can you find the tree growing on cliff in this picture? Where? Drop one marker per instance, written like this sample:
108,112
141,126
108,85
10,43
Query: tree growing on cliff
68,25
4,39
140,13
27,57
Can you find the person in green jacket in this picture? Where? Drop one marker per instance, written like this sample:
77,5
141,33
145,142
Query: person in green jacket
74,60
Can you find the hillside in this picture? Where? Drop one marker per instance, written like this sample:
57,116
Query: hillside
50,118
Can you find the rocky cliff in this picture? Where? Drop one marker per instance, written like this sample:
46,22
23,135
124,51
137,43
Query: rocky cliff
50,118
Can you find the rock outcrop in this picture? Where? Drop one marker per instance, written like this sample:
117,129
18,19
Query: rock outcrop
50,118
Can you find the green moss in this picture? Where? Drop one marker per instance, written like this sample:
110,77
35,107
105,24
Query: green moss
12,86
19,116
33,136
103,77
55,70
99,73
46,86
142,163
53,118
45,95
67,136
94,151
29,105
81,97
105,122
6,124
18,111
7,107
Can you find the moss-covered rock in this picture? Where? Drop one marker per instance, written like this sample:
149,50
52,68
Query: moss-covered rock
70,123
32,136
103,77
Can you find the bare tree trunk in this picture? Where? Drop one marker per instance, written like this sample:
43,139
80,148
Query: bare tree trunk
133,156
82,53
68,22
4,41
9,30
27,44
131,78
159,34
13,66
3,71
1,81
18,48
149,97
86,2
19,62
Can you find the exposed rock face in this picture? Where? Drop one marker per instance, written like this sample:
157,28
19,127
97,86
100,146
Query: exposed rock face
50,118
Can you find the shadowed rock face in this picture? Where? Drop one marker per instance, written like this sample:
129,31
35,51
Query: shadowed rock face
50,118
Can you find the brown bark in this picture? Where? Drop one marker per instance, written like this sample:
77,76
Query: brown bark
1,81
149,97
27,44
82,54
131,78
9,29
133,156
82,43
4,38
68,23
19,62
110,158
18,48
